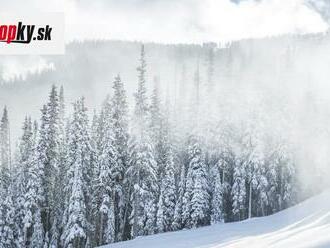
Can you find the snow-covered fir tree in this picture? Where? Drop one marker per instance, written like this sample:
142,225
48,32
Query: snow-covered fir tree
106,184
119,116
77,226
6,205
7,218
22,162
167,197
33,198
178,222
196,198
142,170
217,197
239,191
48,157
4,151
60,175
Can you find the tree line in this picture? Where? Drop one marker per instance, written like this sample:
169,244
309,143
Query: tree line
75,182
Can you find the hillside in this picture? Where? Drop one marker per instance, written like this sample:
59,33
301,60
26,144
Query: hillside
88,69
304,225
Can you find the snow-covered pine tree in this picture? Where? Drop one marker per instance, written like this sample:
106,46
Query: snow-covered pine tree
6,205
142,170
119,116
97,132
4,152
167,198
200,215
239,191
181,122
110,231
251,162
217,197
7,218
60,177
254,157
77,226
94,133
227,164
33,198
37,239
286,176
75,231
262,201
195,202
48,155
178,222
106,183
160,223
196,198
61,105
156,124
156,132
271,177
245,166
20,176
163,150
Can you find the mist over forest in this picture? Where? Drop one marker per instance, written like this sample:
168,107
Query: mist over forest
213,133
286,74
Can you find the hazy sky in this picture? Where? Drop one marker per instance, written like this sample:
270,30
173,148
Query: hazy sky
171,21
183,21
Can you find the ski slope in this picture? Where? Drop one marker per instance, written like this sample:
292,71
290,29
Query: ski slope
304,225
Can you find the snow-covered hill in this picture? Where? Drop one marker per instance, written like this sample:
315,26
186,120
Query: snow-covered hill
304,225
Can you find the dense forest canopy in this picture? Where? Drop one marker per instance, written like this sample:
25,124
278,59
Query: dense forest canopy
289,71
166,137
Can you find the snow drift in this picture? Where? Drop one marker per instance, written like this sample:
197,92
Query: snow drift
304,225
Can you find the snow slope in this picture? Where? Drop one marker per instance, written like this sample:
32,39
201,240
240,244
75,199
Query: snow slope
304,225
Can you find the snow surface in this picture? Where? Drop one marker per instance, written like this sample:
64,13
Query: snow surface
304,225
